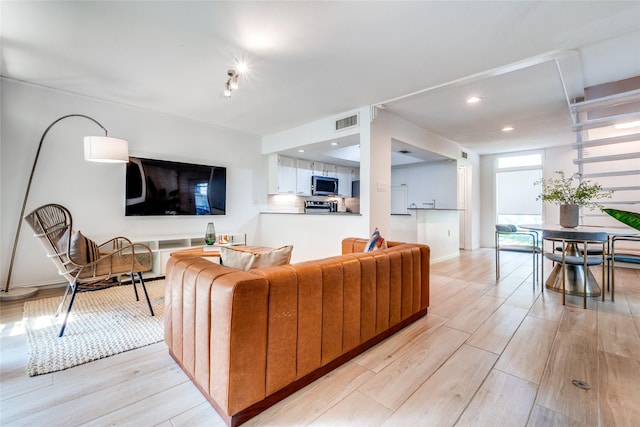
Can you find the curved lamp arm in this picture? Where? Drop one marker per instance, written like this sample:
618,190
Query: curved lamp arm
26,194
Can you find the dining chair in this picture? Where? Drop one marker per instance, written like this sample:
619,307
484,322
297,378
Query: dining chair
627,255
575,245
509,238
86,265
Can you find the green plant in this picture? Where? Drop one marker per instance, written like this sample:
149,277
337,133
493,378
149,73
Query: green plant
571,191
632,219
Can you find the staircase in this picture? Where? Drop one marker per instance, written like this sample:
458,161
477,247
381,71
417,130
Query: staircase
608,146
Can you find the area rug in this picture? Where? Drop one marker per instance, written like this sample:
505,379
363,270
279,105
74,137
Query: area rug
102,323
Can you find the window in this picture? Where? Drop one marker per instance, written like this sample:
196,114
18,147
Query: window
528,160
515,193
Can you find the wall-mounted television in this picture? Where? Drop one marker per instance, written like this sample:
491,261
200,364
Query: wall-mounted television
160,187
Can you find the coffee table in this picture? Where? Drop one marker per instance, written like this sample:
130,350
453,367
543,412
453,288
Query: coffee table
199,251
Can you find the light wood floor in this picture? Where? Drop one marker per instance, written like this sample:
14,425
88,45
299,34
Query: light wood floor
487,354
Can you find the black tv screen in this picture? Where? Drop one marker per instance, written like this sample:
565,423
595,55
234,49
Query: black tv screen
159,187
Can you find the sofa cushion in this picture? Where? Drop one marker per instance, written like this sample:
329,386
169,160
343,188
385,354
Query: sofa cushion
243,259
375,242
82,251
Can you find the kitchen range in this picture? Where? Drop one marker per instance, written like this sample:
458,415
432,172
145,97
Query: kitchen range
316,206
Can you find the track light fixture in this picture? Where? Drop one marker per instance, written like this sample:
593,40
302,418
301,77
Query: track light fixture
232,82
227,90
232,78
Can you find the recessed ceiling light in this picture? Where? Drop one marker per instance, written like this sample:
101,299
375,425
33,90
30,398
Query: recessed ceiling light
507,129
300,150
627,125
334,143
473,100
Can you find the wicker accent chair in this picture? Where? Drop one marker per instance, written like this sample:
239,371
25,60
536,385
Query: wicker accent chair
85,265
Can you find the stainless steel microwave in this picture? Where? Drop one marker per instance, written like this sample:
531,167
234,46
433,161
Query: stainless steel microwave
324,186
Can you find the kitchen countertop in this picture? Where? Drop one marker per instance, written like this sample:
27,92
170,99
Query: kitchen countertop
435,209
312,213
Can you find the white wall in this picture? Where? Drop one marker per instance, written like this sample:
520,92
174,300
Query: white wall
473,203
318,236
386,127
312,236
431,181
94,192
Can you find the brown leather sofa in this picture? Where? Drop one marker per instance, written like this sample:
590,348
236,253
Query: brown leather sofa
249,339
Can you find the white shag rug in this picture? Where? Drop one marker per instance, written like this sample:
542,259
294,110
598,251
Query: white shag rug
101,323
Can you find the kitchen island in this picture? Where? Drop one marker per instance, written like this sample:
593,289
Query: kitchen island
440,229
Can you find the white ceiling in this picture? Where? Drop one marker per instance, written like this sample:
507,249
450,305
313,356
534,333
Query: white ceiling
310,60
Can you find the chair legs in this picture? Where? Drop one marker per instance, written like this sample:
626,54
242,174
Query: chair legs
612,279
64,298
144,288
66,315
73,297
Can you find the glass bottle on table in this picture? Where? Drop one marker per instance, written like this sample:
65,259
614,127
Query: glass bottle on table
210,234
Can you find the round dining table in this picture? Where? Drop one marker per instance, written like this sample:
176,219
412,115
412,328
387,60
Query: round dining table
575,273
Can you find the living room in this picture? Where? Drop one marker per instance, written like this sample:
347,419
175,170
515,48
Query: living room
29,107
129,109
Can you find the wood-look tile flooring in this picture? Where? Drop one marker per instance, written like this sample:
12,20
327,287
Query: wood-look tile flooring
487,354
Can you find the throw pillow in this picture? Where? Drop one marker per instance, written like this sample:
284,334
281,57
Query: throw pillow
247,259
83,251
375,242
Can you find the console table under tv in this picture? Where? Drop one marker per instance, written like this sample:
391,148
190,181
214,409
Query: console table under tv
163,246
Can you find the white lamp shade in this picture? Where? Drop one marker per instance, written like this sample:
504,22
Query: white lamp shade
106,149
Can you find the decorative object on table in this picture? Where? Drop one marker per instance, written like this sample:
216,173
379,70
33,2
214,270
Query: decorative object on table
96,149
632,219
569,216
85,265
570,196
106,323
210,234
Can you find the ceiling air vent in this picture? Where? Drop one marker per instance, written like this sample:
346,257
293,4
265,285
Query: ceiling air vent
347,122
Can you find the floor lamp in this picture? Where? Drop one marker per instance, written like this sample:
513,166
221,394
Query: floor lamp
96,149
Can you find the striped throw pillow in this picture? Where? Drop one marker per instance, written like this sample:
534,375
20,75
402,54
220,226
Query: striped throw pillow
83,251
375,242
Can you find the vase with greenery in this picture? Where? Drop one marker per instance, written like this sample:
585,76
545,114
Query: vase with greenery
571,193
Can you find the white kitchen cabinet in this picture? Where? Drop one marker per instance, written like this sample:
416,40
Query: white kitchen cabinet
304,170
345,176
287,175
325,169
282,175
